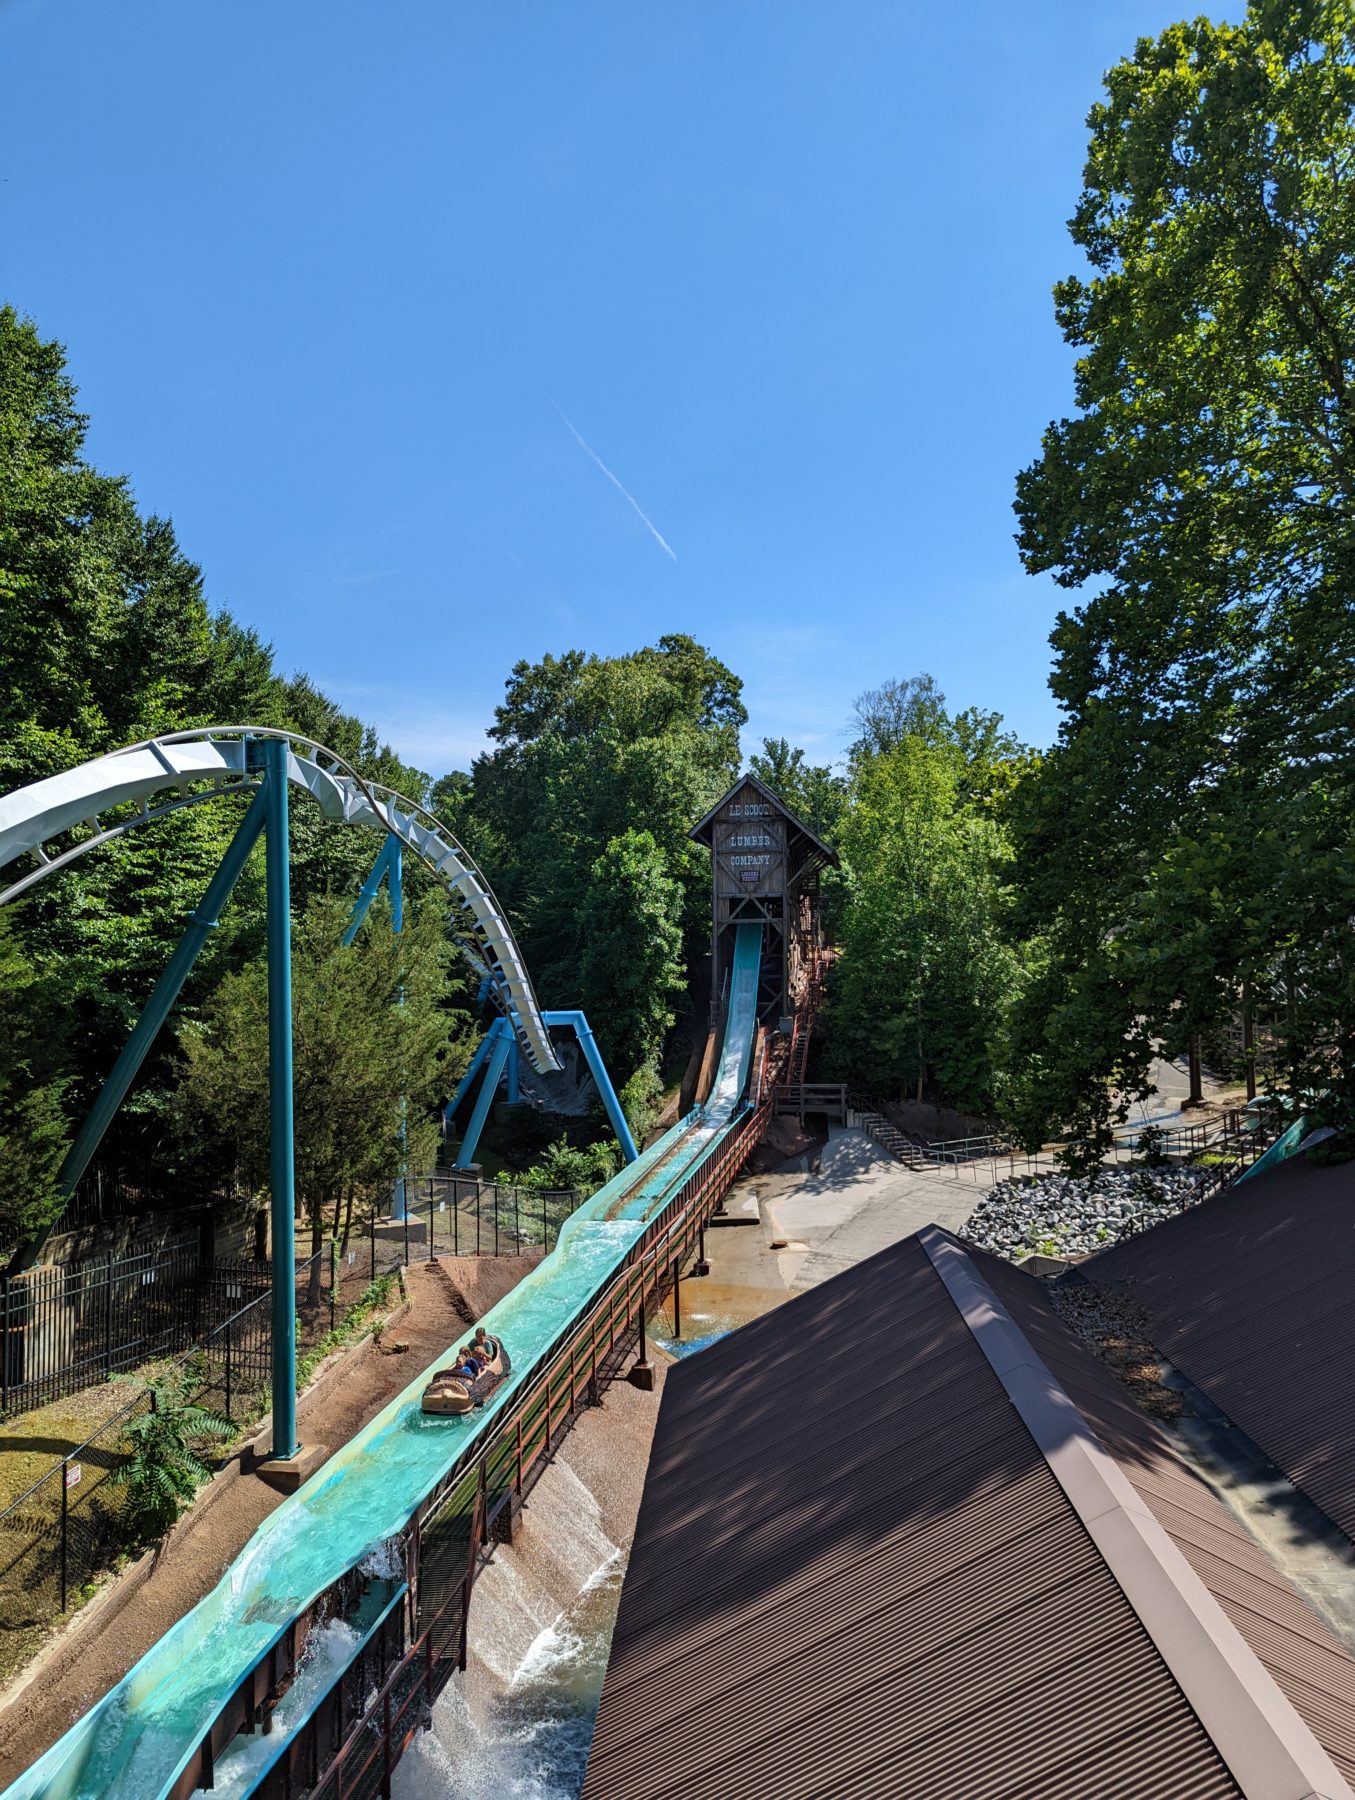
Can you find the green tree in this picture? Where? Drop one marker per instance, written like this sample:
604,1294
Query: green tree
375,1047
33,1135
886,715
814,793
926,971
1186,837
108,638
631,968
590,750
166,1467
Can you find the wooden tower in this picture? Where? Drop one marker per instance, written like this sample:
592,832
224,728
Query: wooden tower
765,866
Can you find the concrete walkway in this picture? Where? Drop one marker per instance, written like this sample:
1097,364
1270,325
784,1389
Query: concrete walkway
814,1224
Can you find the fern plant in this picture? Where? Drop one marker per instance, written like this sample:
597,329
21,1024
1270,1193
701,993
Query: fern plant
165,1468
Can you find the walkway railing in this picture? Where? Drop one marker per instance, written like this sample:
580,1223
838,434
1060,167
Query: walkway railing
66,1527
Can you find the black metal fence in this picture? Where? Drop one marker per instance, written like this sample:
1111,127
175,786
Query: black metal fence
66,1528
67,1328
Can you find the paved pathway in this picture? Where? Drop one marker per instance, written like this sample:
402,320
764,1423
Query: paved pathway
857,1201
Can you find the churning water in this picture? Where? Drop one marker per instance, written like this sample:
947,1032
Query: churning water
517,1726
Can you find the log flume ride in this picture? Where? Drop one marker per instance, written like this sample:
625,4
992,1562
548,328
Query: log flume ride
138,1741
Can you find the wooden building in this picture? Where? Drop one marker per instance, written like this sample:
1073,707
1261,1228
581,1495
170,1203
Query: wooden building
765,866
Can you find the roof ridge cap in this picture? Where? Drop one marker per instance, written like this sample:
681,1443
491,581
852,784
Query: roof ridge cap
1270,1751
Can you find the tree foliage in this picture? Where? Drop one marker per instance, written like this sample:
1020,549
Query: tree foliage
813,792
166,1467
1184,841
375,1046
926,969
32,1082
602,766
107,639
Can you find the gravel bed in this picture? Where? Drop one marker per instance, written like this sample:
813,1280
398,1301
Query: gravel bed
1119,1332
1054,1215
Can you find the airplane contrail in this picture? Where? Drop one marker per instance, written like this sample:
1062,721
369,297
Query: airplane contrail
592,454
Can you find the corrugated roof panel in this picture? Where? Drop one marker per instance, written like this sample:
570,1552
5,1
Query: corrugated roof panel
854,1574
1249,1294
1307,1663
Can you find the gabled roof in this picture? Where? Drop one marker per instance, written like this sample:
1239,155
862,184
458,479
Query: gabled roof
1250,1295
903,1536
704,830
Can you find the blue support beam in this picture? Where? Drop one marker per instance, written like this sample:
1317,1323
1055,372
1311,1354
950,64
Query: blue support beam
389,866
477,1062
157,1009
389,861
282,1147
577,1022
498,1056
498,1047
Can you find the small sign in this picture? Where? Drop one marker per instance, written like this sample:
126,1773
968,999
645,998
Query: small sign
442,1206
352,1257
73,1474
232,1290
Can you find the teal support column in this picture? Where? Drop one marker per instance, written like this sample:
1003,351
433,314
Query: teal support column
483,1050
514,1075
283,1167
389,865
395,875
389,861
497,1058
158,1008
578,1023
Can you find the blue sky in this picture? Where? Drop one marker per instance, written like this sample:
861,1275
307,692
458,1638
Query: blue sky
370,299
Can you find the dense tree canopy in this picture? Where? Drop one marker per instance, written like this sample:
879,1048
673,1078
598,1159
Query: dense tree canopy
602,766
812,791
1185,841
928,968
108,638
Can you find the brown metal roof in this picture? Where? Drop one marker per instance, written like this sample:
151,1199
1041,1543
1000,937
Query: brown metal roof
1307,1663
1249,1295
856,1572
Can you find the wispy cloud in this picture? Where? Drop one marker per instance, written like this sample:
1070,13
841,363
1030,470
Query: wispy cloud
621,489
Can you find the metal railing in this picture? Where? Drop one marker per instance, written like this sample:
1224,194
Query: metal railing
451,1534
67,1527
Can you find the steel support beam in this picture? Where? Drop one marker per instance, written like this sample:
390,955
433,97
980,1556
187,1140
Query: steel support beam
578,1023
477,1062
282,1148
498,1056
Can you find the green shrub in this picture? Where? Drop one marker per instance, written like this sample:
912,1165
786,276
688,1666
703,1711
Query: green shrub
165,1469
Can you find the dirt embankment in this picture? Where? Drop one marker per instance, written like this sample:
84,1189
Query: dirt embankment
102,1643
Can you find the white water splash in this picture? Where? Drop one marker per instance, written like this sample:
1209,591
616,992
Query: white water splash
328,1651
518,1725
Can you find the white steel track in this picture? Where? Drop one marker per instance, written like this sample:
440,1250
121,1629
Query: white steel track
188,768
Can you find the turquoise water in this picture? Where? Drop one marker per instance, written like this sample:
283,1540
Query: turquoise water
136,1741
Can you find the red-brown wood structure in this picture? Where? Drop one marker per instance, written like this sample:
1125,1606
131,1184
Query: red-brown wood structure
765,868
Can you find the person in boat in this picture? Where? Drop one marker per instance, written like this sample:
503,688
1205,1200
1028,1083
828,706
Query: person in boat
466,1368
484,1346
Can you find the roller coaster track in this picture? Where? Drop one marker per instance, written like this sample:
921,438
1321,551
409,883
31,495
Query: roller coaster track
61,819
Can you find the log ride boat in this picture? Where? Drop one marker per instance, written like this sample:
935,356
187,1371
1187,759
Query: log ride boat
447,1395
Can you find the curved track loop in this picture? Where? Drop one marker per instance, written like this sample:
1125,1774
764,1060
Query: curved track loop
187,768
